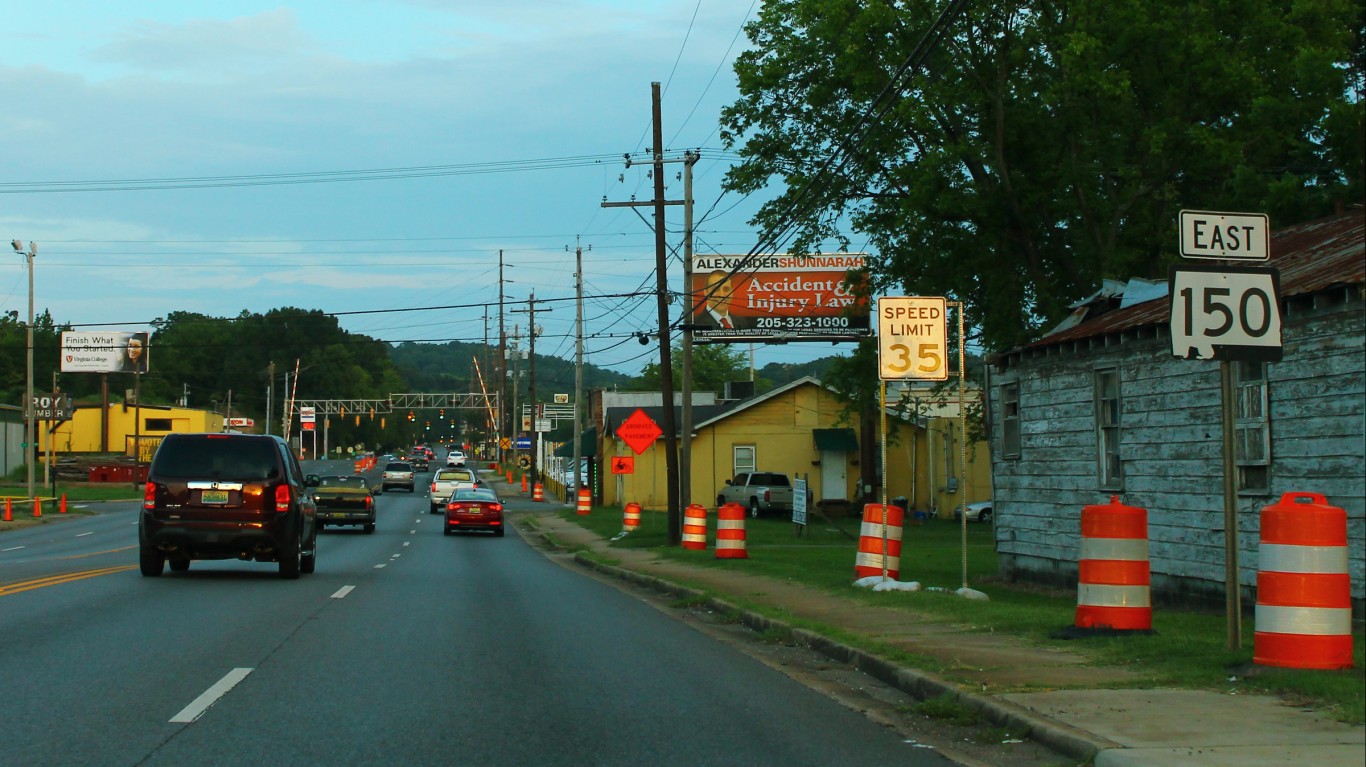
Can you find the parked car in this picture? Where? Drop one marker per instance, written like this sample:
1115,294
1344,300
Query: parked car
474,509
977,512
343,500
760,491
397,474
446,482
226,496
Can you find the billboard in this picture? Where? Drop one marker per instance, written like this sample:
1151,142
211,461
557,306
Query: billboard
778,297
107,351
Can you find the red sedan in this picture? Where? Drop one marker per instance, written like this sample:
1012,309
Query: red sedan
474,509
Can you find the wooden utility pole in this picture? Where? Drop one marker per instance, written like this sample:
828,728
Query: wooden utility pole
531,384
502,419
578,367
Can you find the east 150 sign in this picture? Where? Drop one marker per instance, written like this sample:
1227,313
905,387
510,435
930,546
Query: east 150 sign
1225,314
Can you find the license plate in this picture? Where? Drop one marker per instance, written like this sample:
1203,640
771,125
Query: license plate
213,496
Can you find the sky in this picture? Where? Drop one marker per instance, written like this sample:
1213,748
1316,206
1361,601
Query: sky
366,158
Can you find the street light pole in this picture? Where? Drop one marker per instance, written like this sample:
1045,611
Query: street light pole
29,441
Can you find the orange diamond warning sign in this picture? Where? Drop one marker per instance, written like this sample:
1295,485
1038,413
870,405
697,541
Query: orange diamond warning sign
639,431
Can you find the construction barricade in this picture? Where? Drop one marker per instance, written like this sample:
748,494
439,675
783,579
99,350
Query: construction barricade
538,492
584,502
1304,592
730,532
695,527
871,554
1113,572
631,519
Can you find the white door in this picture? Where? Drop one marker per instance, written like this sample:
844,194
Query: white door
834,478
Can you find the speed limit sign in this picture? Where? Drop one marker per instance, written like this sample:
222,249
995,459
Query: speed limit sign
1225,313
912,338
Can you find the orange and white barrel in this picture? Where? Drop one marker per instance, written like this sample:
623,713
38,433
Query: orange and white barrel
871,554
631,519
695,527
537,492
1113,572
730,532
1304,591
584,502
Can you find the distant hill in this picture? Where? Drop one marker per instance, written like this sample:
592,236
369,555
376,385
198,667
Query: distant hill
450,367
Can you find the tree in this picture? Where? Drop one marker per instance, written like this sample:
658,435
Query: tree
712,366
1039,147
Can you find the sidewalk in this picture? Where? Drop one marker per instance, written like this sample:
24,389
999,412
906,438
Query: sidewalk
1115,728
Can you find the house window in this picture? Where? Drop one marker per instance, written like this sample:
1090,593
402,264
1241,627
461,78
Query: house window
1109,469
1010,420
1251,428
157,424
743,458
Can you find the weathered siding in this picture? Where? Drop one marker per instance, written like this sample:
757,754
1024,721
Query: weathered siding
1171,448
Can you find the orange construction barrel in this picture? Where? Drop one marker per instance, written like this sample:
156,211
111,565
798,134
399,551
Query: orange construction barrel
871,555
631,519
538,492
584,502
730,532
1113,573
695,527
1304,592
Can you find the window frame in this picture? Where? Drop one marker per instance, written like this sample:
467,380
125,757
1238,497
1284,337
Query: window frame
1109,408
1010,419
1252,416
738,466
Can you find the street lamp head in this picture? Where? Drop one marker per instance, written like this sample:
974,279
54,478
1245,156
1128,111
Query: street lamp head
18,246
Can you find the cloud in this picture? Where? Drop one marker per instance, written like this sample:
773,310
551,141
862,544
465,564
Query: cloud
216,46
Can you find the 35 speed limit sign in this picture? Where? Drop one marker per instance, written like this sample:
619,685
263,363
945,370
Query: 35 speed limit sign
912,338
1225,314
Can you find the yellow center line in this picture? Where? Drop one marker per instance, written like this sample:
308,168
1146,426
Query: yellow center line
98,553
55,580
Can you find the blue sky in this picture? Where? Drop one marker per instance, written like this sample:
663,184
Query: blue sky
501,126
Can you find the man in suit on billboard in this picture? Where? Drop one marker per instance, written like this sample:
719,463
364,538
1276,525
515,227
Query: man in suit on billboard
715,303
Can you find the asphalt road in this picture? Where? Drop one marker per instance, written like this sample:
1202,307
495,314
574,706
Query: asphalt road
405,647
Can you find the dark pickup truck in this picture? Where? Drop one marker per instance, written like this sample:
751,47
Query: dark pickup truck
344,500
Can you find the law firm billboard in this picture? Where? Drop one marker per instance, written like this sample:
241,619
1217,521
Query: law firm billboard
108,351
778,297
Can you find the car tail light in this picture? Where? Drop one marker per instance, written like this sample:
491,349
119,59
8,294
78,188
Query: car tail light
369,502
433,488
768,496
496,507
149,495
282,498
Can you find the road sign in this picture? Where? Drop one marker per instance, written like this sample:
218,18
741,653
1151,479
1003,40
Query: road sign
561,399
52,407
543,424
524,443
624,464
505,443
1225,236
912,338
639,431
1222,313
308,414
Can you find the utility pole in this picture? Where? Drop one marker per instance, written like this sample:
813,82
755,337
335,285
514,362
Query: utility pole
502,366
30,446
270,392
578,365
685,452
531,384
662,302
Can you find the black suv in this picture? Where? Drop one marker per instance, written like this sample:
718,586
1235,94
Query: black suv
226,496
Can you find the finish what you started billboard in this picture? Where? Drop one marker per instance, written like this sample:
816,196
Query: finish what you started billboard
777,297
112,351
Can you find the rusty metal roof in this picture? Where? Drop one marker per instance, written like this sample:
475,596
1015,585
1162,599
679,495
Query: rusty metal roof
1312,257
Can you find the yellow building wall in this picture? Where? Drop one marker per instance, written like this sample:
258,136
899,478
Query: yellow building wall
82,433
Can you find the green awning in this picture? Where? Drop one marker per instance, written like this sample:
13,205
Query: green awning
835,440
588,445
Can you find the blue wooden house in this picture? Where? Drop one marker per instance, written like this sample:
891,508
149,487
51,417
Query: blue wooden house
1101,407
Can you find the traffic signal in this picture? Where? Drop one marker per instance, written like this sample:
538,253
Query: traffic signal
411,417
442,412
381,421
358,419
341,411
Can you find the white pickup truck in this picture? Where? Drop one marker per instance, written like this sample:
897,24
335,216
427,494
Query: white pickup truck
447,481
758,491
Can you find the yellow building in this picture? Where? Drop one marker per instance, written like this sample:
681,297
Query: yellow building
796,429
93,430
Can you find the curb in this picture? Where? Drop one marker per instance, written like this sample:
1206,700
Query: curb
1064,739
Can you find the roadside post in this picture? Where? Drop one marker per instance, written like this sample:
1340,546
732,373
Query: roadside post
1230,314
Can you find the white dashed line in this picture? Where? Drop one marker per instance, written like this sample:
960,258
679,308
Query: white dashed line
342,592
407,543
211,696
395,556
12,548
378,566
82,535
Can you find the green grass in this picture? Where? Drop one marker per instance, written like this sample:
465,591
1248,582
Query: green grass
75,491
1188,649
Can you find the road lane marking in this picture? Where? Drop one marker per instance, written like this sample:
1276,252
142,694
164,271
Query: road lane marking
377,567
201,704
342,592
98,553
56,580
395,556
12,548
407,543
82,535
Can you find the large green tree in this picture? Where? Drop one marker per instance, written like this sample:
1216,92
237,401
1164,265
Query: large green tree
712,366
1038,147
